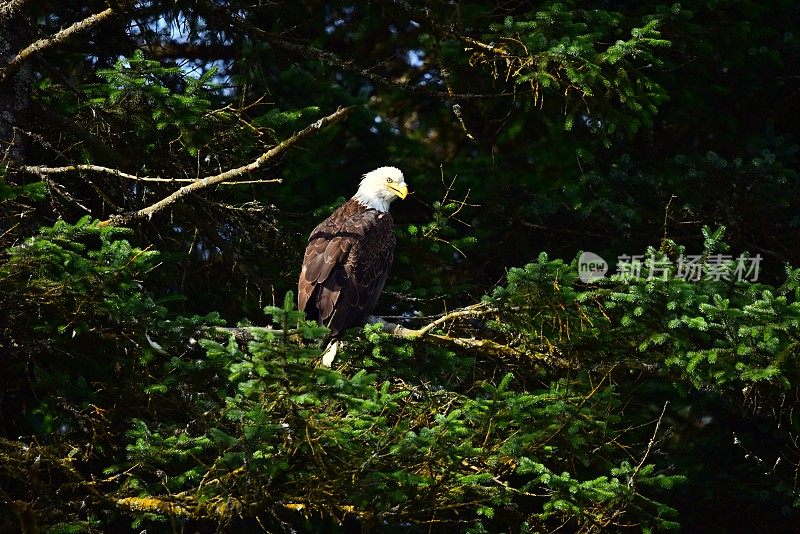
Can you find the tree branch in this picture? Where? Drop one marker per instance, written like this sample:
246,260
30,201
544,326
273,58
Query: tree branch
632,479
475,310
245,334
10,8
487,346
49,42
203,183
43,171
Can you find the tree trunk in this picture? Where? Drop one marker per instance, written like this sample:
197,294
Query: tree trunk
15,34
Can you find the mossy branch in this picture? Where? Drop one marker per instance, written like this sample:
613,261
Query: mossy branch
245,334
11,8
49,42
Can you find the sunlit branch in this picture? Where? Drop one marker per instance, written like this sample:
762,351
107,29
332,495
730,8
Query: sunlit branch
245,334
10,8
44,171
55,40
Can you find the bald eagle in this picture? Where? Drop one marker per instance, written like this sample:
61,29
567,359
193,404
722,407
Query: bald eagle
348,257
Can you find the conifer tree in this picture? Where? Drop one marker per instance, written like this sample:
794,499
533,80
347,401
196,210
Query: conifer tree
160,164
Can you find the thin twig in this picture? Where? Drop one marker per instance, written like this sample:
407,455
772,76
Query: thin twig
632,479
267,181
44,170
666,214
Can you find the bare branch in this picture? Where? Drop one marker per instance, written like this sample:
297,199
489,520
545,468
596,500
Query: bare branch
245,182
49,42
203,183
474,310
42,170
632,479
487,346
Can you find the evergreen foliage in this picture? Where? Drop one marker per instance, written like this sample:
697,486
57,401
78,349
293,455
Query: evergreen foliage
160,378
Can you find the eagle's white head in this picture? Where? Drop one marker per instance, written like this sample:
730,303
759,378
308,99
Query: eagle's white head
379,187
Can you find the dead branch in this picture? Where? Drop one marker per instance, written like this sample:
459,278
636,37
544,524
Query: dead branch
202,183
42,170
245,334
49,42
246,182
632,479
488,347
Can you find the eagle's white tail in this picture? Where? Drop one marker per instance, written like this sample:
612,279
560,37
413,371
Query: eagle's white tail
330,353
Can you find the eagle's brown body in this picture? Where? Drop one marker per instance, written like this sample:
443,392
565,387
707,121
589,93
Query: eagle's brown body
345,266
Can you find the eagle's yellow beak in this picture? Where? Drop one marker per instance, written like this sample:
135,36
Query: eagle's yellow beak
401,190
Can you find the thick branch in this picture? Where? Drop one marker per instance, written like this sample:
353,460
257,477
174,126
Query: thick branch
203,183
11,8
243,335
476,310
49,42
487,346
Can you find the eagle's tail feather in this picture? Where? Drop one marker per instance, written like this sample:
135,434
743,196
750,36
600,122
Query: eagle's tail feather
330,353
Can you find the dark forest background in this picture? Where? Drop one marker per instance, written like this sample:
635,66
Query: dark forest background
155,376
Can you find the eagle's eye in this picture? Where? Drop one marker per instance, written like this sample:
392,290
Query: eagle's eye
389,180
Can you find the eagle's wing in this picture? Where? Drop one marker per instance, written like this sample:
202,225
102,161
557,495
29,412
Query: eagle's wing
345,266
